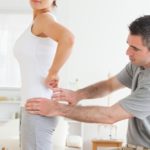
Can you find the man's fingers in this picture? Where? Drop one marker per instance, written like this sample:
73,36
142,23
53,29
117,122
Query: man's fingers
34,112
59,98
32,100
61,101
33,106
36,100
59,90
58,95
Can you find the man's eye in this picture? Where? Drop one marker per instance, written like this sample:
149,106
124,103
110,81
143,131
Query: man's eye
135,49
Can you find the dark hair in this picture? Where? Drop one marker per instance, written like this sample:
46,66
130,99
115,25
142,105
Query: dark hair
54,3
141,27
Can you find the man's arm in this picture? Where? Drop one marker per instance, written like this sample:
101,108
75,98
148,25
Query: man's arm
92,114
99,89
95,114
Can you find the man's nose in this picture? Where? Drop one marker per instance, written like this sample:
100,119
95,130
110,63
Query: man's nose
129,52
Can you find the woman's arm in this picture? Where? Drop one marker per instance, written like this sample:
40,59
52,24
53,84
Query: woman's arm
63,36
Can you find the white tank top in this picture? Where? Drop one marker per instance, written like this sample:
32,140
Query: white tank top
35,55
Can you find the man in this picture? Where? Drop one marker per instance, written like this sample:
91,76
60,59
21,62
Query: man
135,107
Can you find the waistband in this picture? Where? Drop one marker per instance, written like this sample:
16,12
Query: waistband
131,147
135,147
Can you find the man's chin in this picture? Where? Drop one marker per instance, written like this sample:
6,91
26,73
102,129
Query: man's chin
133,62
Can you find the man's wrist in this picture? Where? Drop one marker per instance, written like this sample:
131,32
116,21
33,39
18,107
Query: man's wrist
64,110
80,95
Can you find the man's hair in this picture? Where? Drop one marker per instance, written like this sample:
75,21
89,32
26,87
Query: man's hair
141,27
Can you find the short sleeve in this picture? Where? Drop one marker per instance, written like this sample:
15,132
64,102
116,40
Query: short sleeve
126,76
138,103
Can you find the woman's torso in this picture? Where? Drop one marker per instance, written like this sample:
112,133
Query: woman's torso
35,55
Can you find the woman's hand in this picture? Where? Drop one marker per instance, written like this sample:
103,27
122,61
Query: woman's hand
51,81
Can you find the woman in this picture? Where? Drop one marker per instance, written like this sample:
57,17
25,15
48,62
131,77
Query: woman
41,52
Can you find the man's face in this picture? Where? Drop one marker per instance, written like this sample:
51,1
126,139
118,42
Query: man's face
137,52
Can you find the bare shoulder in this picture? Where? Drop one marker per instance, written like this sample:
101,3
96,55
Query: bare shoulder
46,18
43,23
46,25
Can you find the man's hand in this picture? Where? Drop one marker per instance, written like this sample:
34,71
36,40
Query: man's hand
65,95
42,106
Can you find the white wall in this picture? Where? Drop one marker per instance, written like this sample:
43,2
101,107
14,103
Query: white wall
15,5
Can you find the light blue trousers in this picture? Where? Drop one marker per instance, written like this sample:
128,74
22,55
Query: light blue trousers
36,131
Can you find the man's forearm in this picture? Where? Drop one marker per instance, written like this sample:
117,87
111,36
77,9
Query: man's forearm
96,90
94,114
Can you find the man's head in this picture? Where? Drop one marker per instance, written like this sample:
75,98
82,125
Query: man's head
141,27
139,42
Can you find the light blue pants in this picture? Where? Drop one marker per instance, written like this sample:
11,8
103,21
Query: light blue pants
36,131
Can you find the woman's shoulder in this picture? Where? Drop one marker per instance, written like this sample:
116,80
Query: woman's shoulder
46,17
